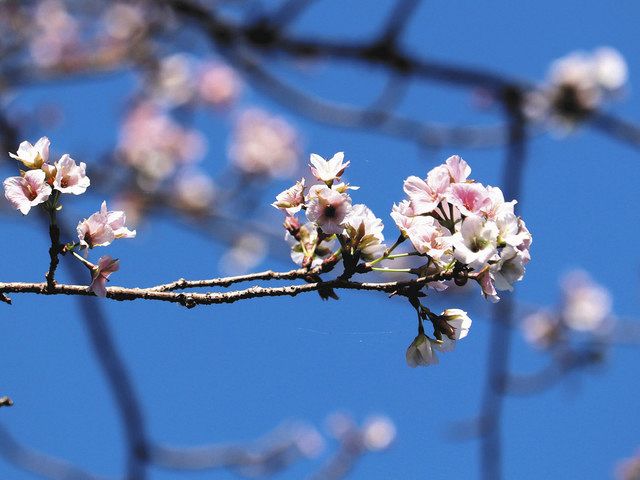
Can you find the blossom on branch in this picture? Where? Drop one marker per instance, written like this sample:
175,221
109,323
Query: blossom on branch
69,177
100,274
33,156
27,191
103,227
328,170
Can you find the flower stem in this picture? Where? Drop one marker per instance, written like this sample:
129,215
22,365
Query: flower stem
84,261
54,236
388,251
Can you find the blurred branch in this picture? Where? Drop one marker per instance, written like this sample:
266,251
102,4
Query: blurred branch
500,335
38,463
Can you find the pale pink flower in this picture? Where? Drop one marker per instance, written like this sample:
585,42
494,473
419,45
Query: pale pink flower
497,206
264,145
328,170
27,191
219,85
403,215
610,68
292,199
328,209
469,198
427,237
586,305
103,227
70,178
33,156
476,242
426,195
371,245
540,328
458,169
100,274
421,352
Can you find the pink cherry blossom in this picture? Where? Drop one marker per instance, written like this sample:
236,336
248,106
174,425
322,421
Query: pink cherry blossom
33,156
100,274
328,208
427,237
458,169
459,320
426,195
103,227
309,236
292,199
27,191
328,170
488,288
70,178
469,198
497,206
509,269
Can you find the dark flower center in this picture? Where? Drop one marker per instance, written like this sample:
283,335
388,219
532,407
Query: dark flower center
329,211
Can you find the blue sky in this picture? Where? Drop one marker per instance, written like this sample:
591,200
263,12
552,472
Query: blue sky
234,372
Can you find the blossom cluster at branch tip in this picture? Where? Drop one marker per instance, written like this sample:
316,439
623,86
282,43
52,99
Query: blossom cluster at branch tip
458,228
43,183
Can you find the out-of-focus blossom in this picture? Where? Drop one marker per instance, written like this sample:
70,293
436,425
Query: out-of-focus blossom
247,251
378,433
421,352
175,81
155,145
70,178
328,170
264,145
292,199
122,20
328,208
577,84
100,274
33,156
103,227
194,192
27,191
586,305
540,328
219,84
56,33
629,469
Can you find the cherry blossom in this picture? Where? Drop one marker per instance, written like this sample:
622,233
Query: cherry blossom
469,198
426,195
100,274
328,170
102,228
292,199
328,208
33,156
362,223
70,178
476,242
27,191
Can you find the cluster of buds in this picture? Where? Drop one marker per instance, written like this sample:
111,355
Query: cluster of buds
460,228
43,184
577,85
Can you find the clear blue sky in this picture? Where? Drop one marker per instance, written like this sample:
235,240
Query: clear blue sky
232,373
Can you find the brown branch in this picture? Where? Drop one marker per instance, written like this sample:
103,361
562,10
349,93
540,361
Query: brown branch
190,300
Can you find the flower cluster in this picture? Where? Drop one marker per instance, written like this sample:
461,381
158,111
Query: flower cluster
577,85
43,183
331,218
460,229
